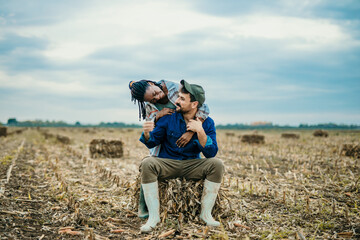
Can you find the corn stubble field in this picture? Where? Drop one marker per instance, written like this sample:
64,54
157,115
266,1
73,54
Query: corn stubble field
301,188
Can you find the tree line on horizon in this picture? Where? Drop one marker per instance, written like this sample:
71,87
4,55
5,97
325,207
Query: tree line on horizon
328,126
12,122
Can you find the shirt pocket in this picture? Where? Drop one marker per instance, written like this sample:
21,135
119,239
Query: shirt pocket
173,136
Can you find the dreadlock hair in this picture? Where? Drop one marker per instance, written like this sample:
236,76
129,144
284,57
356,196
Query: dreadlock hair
138,89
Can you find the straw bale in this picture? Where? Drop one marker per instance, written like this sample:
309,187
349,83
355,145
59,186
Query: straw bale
19,131
320,133
3,131
63,139
230,134
181,199
290,135
46,134
91,131
106,148
253,138
351,150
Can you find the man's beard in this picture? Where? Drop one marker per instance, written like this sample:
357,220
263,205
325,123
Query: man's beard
180,110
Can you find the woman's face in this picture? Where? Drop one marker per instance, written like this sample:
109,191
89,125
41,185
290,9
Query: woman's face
154,94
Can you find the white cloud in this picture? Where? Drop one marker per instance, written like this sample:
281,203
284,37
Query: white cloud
268,91
118,24
64,84
300,33
292,88
260,56
25,109
138,22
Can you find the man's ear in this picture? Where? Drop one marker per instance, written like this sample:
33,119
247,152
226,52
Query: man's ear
194,104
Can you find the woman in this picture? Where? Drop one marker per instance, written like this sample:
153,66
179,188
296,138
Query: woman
155,100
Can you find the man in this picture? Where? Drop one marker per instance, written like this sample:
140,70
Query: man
155,100
174,161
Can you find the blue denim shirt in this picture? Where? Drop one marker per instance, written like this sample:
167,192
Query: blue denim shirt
173,93
170,128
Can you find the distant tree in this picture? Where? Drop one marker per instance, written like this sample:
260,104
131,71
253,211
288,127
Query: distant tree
12,121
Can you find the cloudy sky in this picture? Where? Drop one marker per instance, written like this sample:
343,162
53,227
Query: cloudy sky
289,62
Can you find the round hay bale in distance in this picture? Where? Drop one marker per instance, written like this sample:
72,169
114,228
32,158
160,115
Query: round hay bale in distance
320,133
63,139
253,139
290,135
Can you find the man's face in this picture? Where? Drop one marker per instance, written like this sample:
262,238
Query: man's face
183,103
154,94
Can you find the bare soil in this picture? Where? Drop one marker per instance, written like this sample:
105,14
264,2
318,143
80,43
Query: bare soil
284,189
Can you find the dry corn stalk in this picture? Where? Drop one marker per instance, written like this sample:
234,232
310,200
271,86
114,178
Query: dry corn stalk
181,199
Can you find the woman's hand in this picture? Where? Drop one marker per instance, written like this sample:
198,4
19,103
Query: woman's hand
184,139
163,112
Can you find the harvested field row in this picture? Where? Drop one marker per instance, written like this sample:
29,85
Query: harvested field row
280,189
23,202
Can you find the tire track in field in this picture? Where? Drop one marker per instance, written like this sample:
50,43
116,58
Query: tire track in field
23,206
91,193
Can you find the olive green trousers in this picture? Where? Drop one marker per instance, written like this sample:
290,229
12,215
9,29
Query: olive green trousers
155,168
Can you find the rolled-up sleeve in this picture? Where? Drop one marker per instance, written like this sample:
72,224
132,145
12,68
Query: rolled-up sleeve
157,135
203,112
211,148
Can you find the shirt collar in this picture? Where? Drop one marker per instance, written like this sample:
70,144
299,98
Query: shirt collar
179,116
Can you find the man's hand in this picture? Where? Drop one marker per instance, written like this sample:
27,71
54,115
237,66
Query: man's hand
184,139
194,125
163,112
148,126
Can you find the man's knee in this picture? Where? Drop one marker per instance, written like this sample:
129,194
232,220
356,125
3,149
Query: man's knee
148,170
218,164
216,170
147,163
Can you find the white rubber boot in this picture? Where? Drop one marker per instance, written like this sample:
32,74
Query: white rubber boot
143,212
210,192
152,201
